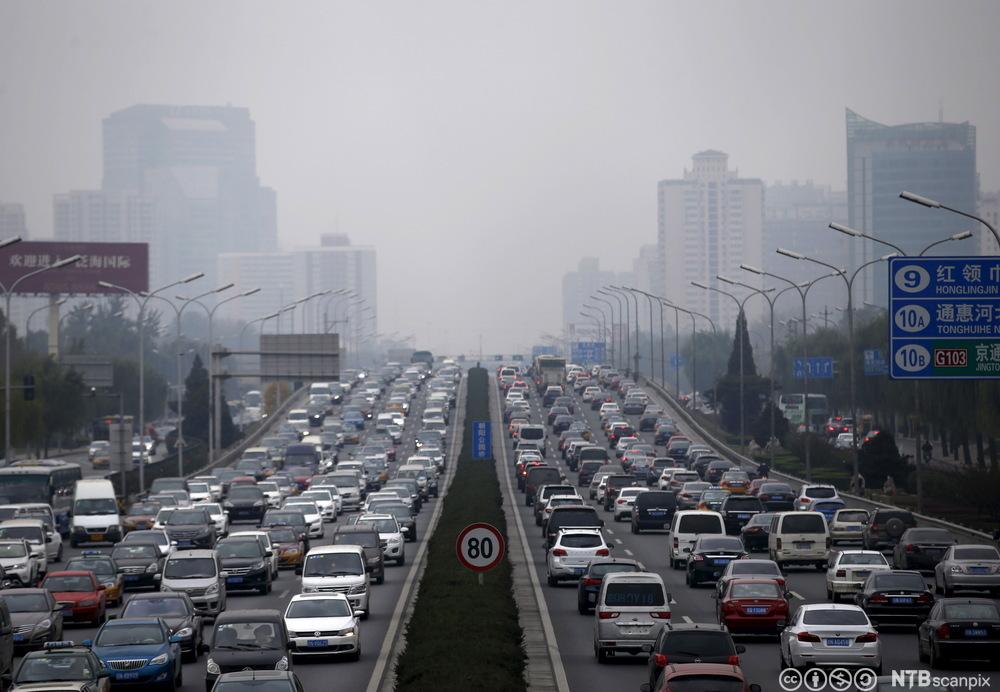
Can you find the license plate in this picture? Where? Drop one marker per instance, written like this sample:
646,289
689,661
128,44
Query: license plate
185,544
579,570
853,528
863,573
721,562
656,512
743,515
839,641
976,632
979,570
97,536
902,600
756,610
317,642
234,580
803,546
635,630
126,676
19,637
131,577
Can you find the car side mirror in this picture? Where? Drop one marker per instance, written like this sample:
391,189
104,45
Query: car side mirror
359,613
101,587
48,539
103,674
269,553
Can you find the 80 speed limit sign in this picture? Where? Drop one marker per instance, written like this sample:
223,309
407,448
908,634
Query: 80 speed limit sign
480,547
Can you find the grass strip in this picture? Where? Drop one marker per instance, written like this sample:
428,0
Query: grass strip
462,635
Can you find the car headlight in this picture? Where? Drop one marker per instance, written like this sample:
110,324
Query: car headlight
20,565
212,668
955,569
164,587
360,588
214,588
282,663
395,539
344,633
158,660
260,565
184,632
308,589
153,569
44,624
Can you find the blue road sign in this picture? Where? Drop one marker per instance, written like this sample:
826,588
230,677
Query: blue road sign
945,314
587,352
482,440
875,363
819,367
676,360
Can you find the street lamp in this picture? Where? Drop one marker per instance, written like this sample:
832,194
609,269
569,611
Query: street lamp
263,319
611,309
598,328
336,295
652,362
625,292
304,302
604,325
694,347
933,204
27,322
622,315
140,329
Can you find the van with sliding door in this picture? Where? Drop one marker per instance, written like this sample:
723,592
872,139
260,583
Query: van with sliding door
95,513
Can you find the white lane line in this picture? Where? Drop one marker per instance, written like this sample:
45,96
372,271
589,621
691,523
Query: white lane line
673,601
609,532
629,552
619,541
283,594
399,611
686,619
798,596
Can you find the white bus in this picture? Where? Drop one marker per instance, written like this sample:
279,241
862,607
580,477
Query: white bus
792,407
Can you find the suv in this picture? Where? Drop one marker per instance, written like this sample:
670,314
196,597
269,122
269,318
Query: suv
691,643
885,527
247,640
653,510
191,527
366,537
572,552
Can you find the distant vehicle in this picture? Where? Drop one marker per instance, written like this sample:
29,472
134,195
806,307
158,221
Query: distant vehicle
422,357
549,371
792,406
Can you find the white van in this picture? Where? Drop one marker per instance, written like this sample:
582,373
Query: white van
631,608
339,568
321,388
95,513
799,538
687,525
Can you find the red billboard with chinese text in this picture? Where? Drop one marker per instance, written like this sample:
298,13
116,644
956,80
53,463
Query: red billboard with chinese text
123,264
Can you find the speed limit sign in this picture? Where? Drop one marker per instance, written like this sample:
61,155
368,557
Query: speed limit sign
480,547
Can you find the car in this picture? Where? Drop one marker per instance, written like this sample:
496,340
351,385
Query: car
20,565
590,582
848,525
199,574
689,494
828,508
624,501
630,608
179,614
339,568
323,624
61,666
753,606
754,532
245,502
709,557
390,535
653,511
80,594
34,533
737,510
680,644
810,492
885,526
735,482
218,517
310,511
844,440
695,675
286,546
154,537
922,548
968,567
248,640
571,552
293,517
830,634
895,596
36,617
245,564
966,629
325,500
105,569
253,680
403,514
567,516
558,501
848,569
140,652
712,498
140,515
776,497
543,494
749,568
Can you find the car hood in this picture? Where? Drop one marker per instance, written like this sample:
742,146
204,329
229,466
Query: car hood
135,562
319,624
239,561
74,596
8,561
112,653
33,618
253,658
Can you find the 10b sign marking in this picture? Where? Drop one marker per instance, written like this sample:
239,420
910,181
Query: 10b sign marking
480,547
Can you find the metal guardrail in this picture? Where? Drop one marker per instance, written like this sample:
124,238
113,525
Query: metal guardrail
738,458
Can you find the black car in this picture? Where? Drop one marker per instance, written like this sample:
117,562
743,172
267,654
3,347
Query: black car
966,629
555,412
245,640
565,401
245,502
614,485
587,469
648,420
922,548
367,537
29,610
411,486
177,611
245,563
754,533
885,526
709,557
896,596
562,423
653,510
288,517
697,642
258,680
543,494
50,666
715,470
140,565
404,517
738,510
191,528
569,515
776,497
590,583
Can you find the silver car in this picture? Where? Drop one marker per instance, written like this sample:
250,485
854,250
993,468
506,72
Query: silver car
631,609
968,567
829,634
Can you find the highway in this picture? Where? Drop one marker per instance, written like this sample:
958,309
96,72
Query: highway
574,632
388,600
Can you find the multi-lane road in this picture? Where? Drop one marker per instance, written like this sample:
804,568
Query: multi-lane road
574,632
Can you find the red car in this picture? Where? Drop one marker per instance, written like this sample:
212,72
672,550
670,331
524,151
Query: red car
79,593
718,677
753,606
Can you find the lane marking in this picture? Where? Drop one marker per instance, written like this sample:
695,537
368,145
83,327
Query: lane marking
629,552
619,541
798,596
686,619
283,593
609,532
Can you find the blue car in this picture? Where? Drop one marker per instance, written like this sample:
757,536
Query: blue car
139,652
354,420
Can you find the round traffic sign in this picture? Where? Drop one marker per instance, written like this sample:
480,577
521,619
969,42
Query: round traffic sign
480,547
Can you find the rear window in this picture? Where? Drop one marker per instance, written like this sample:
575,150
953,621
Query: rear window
862,559
971,611
858,515
611,567
834,617
803,523
820,492
976,554
762,590
705,644
724,543
686,477
700,523
655,499
930,535
744,567
579,540
773,488
900,581
743,504
647,594
575,517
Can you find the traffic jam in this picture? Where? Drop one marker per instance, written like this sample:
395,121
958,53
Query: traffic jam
665,565
261,574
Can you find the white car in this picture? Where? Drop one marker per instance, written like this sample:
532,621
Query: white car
314,518
199,491
272,493
214,484
219,517
847,570
589,393
625,501
390,534
848,525
18,562
830,634
324,499
844,441
378,496
570,555
157,537
320,624
815,491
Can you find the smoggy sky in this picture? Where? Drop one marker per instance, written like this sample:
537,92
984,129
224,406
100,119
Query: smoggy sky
483,147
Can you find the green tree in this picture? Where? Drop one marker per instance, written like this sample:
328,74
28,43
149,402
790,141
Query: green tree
727,389
196,409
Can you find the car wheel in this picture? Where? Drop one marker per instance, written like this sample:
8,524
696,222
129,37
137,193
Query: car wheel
401,561
59,553
635,529
921,654
820,566
581,608
689,579
356,656
602,654
948,591
829,594
552,581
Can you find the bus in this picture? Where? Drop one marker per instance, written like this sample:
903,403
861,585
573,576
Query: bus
49,481
548,370
792,408
422,357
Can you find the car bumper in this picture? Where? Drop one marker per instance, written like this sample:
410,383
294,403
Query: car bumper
652,523
707,572
846,535
246,513
973,581
207,605
902,613
244,582
969,650
323,646
801,557
29,641
143,676
629,645
81,535
393,550
566,571
758,624
81,614
142,580
868,657
840,586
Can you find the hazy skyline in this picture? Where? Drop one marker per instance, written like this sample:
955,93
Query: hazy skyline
484,147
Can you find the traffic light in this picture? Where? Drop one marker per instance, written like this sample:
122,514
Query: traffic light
29,387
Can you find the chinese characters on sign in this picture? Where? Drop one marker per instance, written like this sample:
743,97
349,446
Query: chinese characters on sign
817,367
945,314
122,264
482,440
587,352
875,363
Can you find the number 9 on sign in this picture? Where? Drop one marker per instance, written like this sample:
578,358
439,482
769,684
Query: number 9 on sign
480,547
911,278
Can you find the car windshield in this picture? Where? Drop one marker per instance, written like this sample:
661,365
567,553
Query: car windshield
63,667
198,487
184,517
135,552
304,507
381,525
25,603
705,683
142,509
319,608
248,636
700,523
823,616
726,544
288,518
333,565
238,549
68,583
366,539
911,582
127,634
971,611
862,559
245,492
984,553
755,590
189,568
343,479
644,594
212,509
144,537
742,503
268,487
95,507
12,550
283,535
101,568
155,607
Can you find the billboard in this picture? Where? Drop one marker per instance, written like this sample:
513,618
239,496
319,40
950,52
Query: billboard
96,371
300,357
124,264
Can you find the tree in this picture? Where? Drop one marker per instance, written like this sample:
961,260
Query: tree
760,428
274,394
727,389
196,409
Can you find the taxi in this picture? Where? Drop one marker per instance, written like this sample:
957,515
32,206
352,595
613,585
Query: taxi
290,548
105,569
140,516
735,482
61,667
80,595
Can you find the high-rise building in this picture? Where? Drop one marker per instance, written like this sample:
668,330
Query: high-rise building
989,209
12,220
107,217
937,160
578,287
709,222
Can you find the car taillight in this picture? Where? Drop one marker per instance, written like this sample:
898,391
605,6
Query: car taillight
873,527
944,632
603,552
867,638
729,607
777,543
909,547
607,615
676,544
878,598
808,637
841,572
660,614
559,552
591,581
734,660
924,598
829,542
698,558
753,529
765,498
660,660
